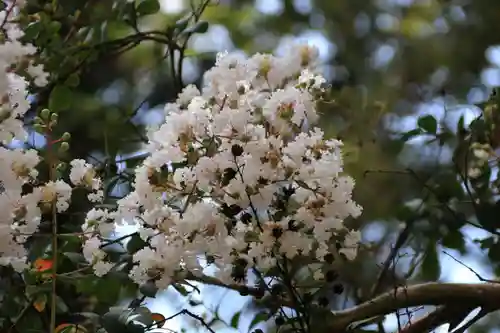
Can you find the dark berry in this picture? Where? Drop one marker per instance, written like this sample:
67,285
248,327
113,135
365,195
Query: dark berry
259,293
277,232
338,289
26,188
323,301
263,181
246,218
307,297
331,275
242,262
229,175
277,289
230,211
237,150
235,209
293,226
329,258
288,192
238,273
210,259
279,321
244,291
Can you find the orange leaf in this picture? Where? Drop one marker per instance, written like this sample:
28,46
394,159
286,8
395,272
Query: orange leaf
43,265
61,327
70,328
159,319
40,303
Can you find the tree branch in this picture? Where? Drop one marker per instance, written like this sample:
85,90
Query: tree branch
435,293
436,318
208,280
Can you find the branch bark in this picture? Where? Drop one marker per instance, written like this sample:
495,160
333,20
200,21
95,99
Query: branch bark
440,316
470,295
454,301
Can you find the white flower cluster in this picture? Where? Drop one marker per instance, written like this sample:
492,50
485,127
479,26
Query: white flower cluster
19,214
83,174
20,209
238,175
481,154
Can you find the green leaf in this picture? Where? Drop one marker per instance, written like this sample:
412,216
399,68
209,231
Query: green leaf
199,28
75,257
148,289
485,243
61,305
411,134
69,329
431,269
73,80
259,318
112,323
131,14
108,290
91,316
60,98
32,31
148,7
86,284
454,239
142,315
181,290
461,124
181,24
134,328
494,252
404,213
235,320
428,123
54,26
135,244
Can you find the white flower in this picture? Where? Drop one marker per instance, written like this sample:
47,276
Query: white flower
237,173
102,268
187,94
351,242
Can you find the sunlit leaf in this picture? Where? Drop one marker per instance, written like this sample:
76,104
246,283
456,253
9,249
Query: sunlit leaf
235,320
40,302
259,318
159,319
43,265
61,98
428,123
70,328
148,7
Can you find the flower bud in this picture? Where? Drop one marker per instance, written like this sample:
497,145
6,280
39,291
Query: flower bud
64,147
66,136
61,166
45,114
237,150
39,128
338,288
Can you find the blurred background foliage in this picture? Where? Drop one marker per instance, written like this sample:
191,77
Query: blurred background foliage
389,62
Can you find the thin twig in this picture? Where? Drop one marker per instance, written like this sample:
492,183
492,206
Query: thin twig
470,269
